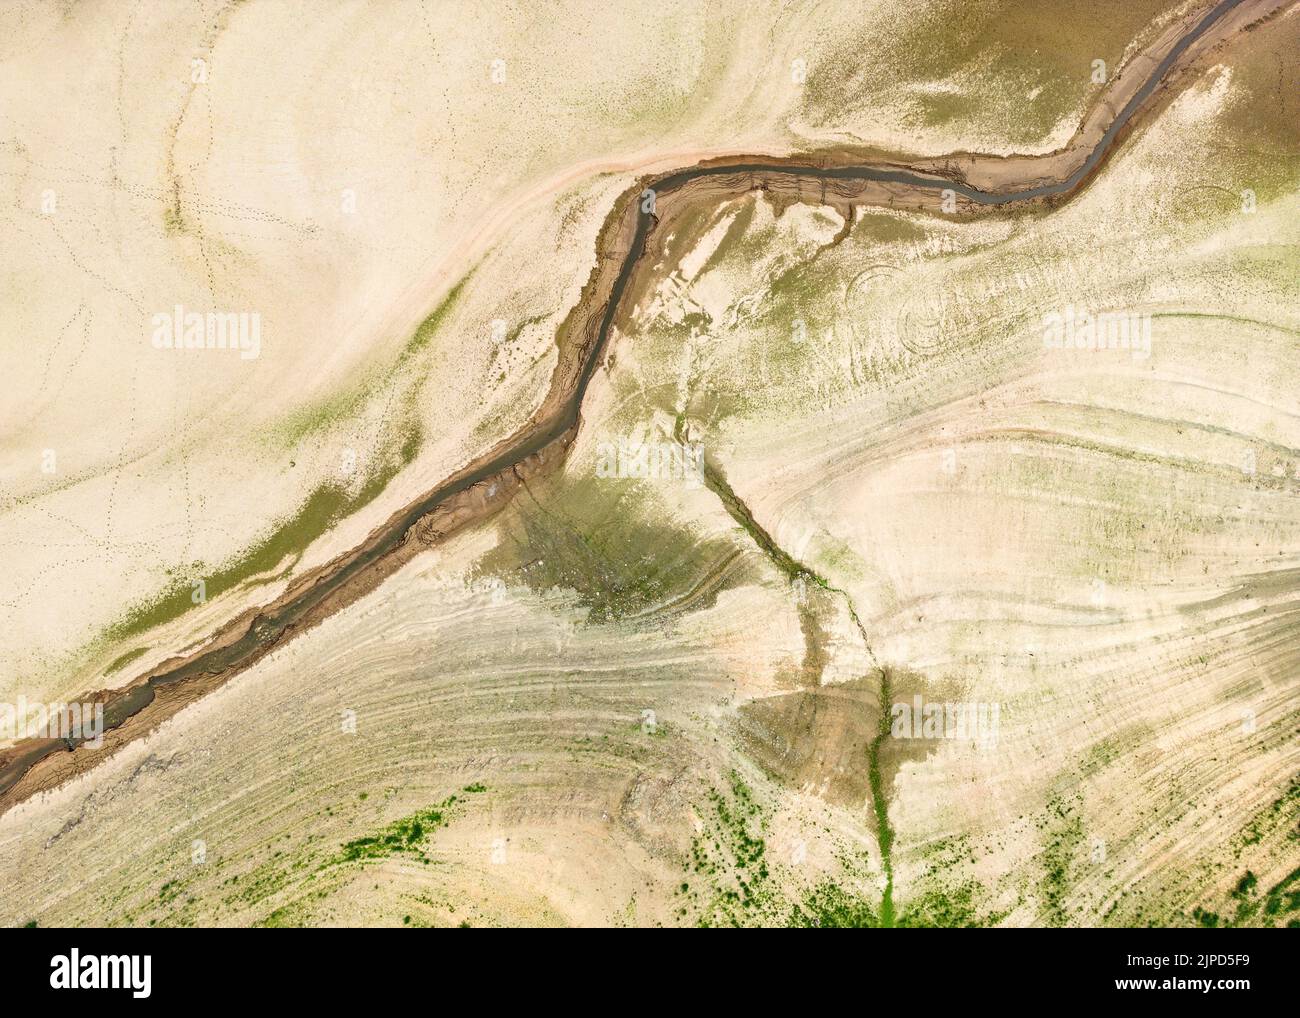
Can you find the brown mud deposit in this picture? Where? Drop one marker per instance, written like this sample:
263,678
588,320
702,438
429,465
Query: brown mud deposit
819,740
628,250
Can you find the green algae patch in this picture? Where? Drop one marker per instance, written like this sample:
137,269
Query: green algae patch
997,57
324,507
880,796
595,537
173,220
732,236
406,836
1263,149
320,415
125,659
436,319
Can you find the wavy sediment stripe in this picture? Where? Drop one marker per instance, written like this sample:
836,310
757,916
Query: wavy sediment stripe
966,184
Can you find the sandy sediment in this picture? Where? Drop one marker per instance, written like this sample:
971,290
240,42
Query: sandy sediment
627,248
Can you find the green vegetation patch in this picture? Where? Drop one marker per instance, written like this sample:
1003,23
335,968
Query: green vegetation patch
831,906
729,881
1062,834
1279,906
405,836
